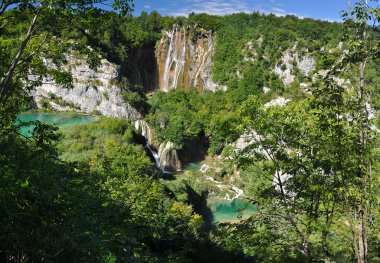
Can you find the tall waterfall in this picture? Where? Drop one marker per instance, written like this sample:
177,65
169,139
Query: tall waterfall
184,59
166,158
175,59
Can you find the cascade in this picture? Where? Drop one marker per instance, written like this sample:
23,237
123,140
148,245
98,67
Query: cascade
169,157
169,61
155,155
166,157
237,191
143,127
175,59
206,55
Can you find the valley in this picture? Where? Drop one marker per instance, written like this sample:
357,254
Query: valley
246,137
223,209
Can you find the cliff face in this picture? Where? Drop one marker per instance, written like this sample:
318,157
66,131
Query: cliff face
184,60
93,91
181,59
141,67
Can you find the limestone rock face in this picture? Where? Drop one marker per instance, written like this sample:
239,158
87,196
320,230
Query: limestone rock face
93,91
184,60
290,60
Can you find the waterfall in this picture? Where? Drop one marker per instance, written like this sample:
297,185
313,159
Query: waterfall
184,59
205,57
176,58
143,127
239,192
169,60
166,157
169,157
155,155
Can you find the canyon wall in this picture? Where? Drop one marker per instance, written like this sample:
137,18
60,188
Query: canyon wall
141,67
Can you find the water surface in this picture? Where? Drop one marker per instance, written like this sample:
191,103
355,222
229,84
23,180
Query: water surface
57,119
228,211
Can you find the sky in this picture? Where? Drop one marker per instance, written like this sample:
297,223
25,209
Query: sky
319,9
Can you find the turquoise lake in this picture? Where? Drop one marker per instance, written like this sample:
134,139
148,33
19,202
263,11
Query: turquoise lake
58,119
228,211
218,210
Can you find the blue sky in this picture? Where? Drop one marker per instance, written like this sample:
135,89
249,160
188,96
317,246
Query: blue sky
320,9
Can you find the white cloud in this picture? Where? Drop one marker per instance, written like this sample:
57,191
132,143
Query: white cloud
225,7
214,7
147,6
278,10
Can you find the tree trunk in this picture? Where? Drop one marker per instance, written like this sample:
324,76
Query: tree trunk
362,174
362,254
5,82
307,251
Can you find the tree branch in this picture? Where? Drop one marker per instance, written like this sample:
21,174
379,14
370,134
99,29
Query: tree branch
34,51
5,81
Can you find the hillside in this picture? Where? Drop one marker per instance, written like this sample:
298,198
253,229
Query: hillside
254,54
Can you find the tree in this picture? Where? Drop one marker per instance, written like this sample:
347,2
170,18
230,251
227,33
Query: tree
295,172
363,17
322,157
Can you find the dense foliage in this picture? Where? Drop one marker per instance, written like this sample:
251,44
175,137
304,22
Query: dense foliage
105,204
184,116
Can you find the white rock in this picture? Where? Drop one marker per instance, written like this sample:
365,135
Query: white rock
280,101
93,91
291,59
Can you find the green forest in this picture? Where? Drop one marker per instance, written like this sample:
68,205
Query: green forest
293,135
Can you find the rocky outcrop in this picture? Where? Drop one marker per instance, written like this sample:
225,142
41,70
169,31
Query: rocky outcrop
345,83
280,101
141,67
291,60
184,59
94,91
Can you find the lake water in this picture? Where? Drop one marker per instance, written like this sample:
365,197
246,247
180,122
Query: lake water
218,210
228,211
57,119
